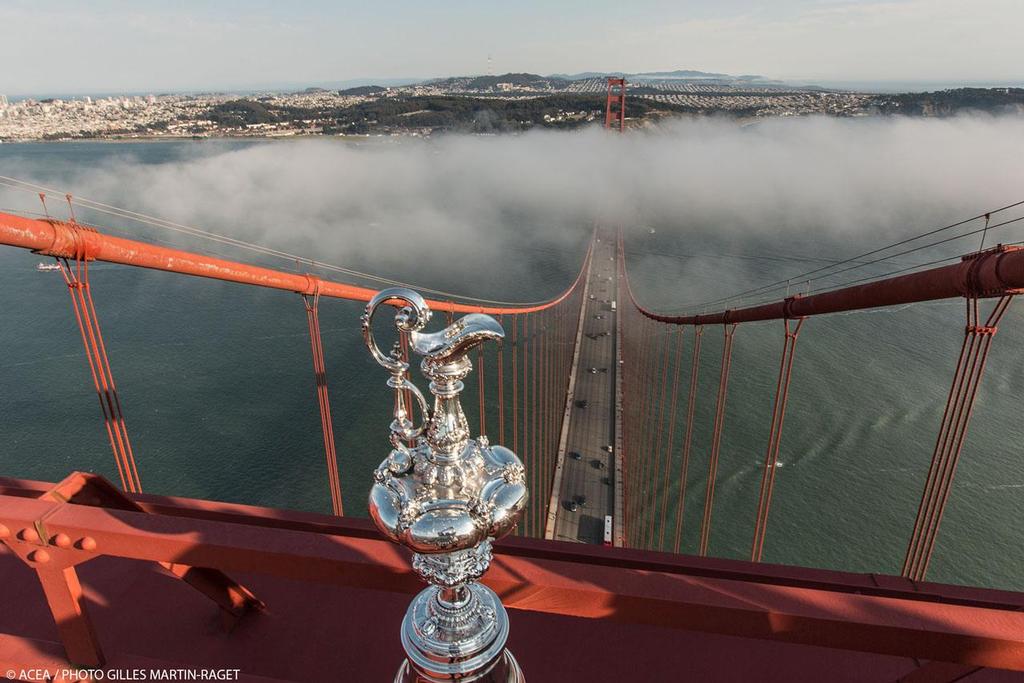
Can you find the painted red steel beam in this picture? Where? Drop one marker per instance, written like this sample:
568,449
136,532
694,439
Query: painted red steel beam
571,553
993,272
885,615
74,241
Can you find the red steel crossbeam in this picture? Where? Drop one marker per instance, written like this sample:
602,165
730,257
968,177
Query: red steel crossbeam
73,240
867,613
54,555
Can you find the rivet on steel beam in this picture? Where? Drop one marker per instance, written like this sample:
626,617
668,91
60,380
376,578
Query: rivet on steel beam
40,556
4,531
87,543
29,535
61,540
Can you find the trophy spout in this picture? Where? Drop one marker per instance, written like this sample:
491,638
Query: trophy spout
458,339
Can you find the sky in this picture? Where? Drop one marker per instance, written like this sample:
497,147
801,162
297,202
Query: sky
65,46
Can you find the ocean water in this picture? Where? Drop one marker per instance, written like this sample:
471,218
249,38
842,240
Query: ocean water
218,391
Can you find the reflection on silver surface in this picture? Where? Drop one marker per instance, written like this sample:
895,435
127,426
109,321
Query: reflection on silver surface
446,497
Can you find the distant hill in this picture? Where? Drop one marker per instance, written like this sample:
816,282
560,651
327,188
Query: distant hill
520,79
952,102
363,90
496,83
655,75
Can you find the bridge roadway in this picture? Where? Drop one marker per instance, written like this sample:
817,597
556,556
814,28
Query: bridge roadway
586,479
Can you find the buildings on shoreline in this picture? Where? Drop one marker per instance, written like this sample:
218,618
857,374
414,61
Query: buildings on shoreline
509,102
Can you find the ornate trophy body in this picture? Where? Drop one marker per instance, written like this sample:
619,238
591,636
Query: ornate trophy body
446,497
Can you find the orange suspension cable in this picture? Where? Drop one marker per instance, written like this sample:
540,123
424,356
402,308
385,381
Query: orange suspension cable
63,239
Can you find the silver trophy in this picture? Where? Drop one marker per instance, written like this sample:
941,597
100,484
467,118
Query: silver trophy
446,497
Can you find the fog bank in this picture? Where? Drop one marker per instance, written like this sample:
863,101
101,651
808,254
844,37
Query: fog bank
823,183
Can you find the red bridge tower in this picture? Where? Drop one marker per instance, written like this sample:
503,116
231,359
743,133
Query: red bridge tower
616,117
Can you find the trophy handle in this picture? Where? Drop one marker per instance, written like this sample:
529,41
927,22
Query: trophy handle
410,318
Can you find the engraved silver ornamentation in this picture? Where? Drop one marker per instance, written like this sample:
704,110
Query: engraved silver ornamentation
446,497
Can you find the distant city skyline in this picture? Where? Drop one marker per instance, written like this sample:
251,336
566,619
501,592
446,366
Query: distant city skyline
111,46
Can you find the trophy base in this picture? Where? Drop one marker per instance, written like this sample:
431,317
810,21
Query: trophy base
505,670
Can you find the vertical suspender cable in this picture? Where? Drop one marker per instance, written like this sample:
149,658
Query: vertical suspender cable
501,386
541,425
638,422
515,383
646,431
949,445
684,465
639,428
312,304
716,437
774,439
516,346
481,389
535,431
658,454
549,449
650,464
77,280
669,448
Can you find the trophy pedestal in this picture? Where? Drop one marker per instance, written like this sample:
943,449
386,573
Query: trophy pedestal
505,670
457,634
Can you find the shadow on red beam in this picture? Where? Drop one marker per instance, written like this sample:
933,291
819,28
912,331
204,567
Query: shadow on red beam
598,556
803,606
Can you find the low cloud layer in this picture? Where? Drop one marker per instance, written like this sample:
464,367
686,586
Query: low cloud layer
823,183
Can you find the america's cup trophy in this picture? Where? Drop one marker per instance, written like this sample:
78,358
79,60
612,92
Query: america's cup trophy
446,497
